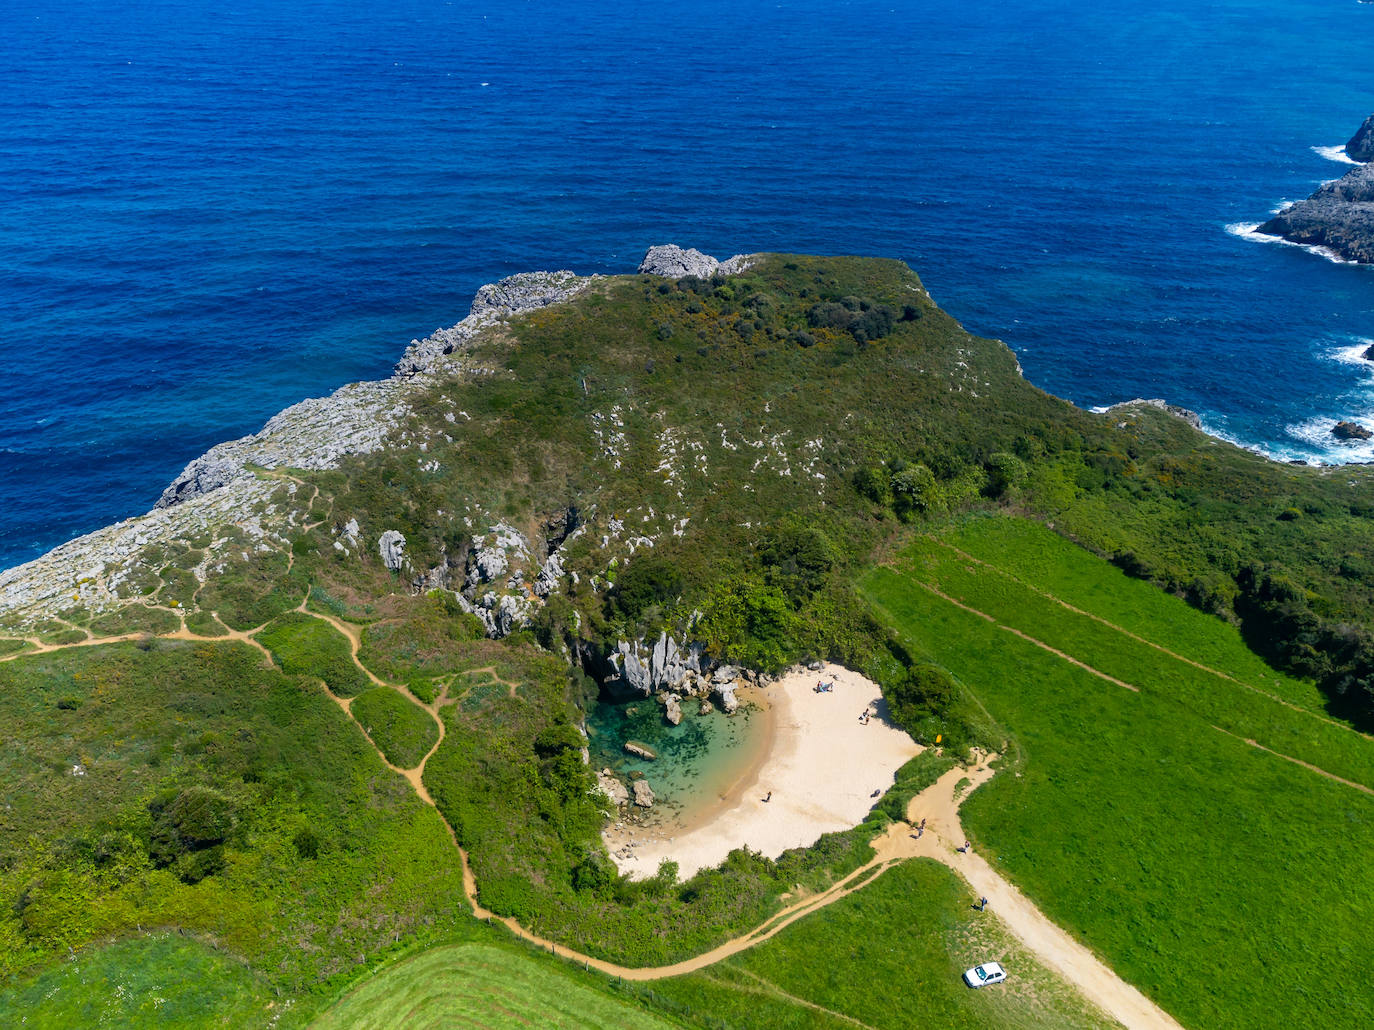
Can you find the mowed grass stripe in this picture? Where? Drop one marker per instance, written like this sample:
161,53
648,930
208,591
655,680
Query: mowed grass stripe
480,985
1220,701
1029,551
1150,643
1224,882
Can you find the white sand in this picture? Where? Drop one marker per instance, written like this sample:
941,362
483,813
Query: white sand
822,769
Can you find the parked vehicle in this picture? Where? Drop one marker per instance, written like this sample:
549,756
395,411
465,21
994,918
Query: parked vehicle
987,973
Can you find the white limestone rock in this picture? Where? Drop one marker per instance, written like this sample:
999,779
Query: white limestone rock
643,794
392,547
674,262
611,786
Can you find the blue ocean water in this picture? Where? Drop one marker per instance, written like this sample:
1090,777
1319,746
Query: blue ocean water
208,212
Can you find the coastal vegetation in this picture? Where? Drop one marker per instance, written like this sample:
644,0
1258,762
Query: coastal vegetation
1167,637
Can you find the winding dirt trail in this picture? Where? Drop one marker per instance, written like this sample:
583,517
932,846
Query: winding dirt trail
938,806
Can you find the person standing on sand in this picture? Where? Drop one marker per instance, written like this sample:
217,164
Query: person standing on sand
769,797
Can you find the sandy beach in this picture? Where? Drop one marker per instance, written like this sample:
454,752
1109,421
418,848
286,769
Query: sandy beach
819,762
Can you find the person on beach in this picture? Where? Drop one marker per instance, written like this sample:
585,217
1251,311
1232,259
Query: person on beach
769,797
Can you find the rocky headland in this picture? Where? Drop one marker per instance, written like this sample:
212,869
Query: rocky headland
242,496
1339,216
1361,145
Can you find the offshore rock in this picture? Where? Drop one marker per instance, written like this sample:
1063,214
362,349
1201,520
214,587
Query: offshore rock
672,261
1339,216
1350,431
392,546
1361,145
640,751
644,797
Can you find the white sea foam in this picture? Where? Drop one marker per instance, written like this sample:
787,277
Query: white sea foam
1246,231
1316,433
1353,353
1336,153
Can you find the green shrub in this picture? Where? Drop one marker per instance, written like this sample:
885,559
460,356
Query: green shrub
306,646
404,731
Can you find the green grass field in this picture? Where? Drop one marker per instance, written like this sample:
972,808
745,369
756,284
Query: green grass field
1225,882
890,956
481,985
163,980
1257,706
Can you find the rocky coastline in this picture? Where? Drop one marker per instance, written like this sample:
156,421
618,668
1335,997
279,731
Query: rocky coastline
234,482
1339,216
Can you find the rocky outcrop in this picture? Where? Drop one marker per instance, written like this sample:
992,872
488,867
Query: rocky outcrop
1361,145
643,796
1191,417
640,751
94,570
392,547
314,434
1350,432
611,786
495,302
724,683
634,669
672,709
674,262
1338,217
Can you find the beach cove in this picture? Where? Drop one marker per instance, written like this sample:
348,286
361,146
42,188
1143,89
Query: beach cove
814,760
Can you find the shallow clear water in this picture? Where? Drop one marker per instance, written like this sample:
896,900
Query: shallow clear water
208,212
697,761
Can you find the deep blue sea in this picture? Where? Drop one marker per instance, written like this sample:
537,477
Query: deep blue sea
210,211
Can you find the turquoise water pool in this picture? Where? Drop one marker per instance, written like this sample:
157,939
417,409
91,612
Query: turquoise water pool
698,761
